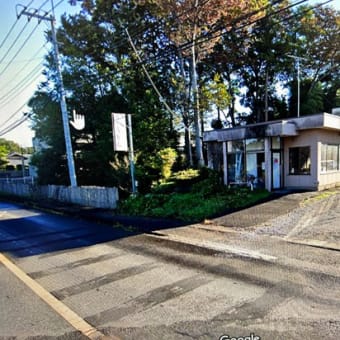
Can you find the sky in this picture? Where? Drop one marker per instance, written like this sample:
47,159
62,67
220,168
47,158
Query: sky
22,50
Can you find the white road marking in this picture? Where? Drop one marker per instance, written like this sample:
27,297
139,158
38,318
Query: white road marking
65,312
217,246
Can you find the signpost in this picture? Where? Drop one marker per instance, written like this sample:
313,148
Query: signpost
123,141
119,129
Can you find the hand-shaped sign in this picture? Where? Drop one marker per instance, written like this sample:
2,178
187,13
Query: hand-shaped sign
78,121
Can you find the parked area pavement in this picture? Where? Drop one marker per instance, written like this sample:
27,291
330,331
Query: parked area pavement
310,218
267,271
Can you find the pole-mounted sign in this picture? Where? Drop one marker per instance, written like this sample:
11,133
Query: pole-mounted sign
123,141
119,130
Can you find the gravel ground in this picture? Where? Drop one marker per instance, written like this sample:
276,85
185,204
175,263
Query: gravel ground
317,218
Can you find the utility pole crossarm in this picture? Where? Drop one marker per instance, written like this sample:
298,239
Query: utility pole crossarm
35,15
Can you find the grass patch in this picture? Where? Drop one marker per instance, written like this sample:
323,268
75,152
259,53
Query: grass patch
320,196
203,198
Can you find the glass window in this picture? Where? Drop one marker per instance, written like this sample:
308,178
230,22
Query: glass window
329,157
236,160
276,143
299,161
255,144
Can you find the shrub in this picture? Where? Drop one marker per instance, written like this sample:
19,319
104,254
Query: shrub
167,157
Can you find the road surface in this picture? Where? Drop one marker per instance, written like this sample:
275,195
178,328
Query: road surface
151,286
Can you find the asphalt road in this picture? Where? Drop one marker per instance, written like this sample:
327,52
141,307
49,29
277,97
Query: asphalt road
26,232
154,287
23,313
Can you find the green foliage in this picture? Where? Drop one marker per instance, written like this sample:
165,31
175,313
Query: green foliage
215,93
186,174
192,206
167,159
102,75
205,197
311,98
3,155
10,146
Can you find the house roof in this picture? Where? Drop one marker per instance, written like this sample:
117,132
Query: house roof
285,127
16,156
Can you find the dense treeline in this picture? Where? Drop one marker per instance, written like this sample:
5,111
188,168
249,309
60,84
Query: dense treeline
204,59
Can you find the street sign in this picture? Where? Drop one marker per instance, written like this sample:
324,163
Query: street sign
119,130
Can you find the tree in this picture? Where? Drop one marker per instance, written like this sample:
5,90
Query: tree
316,38
256,57
3,156
312,98
11,146
46,122
189,24
216,95
99,81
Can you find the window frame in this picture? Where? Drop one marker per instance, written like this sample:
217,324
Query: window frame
294,170
325,152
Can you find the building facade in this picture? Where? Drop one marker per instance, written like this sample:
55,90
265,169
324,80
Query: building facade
298,153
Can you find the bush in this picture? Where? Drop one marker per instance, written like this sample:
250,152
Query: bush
168,157
191,206
209,184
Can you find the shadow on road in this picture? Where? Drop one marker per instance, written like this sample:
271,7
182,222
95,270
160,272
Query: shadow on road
27,232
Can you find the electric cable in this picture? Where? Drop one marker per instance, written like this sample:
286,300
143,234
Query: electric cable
14,113
25,66
14,125
198,42
28,80
20,49
14,42
12,28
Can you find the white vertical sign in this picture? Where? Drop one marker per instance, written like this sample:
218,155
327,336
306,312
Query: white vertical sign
119,130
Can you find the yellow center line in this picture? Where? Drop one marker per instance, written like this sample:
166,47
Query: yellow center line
65,312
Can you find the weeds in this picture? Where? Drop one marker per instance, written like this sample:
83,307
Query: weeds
204,197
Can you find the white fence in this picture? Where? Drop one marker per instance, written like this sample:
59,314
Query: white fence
98,197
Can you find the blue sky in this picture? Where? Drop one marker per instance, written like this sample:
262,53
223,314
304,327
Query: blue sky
21,61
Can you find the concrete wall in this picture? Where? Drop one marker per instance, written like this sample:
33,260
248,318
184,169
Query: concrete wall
97,197
316,180
305,138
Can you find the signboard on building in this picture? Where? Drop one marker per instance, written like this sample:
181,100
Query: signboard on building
119,130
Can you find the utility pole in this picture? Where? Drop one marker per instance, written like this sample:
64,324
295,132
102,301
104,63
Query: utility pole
33,13
131,156
297,60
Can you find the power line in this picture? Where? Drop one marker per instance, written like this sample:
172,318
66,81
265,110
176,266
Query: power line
203,39
14,113
14,42
12,28
9,33
13,125
26,65
19,50
28,80
22,84
286,19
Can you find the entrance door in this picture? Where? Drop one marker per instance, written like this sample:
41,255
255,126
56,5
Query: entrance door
276,161
255,168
